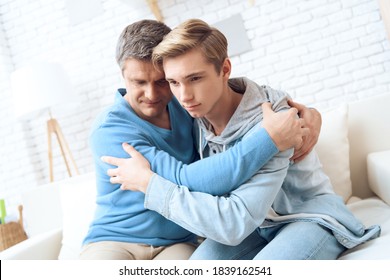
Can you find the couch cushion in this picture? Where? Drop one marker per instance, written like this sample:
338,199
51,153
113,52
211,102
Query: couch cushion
78,196
378,173
44,246
41,209
333,150
368,132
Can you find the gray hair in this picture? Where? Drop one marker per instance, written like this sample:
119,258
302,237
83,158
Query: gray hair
139,39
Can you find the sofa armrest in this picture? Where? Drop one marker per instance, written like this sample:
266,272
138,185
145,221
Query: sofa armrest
45,246
378,172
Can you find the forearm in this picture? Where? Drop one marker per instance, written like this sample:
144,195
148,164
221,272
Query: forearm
227,220
224,172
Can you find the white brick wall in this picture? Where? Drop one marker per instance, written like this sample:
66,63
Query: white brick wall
322,52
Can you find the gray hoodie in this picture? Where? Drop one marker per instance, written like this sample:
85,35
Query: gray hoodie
306,192
246,116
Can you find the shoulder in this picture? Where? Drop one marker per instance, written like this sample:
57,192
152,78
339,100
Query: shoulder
116,124
277,98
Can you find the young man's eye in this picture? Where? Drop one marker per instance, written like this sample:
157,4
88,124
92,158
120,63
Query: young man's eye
194,79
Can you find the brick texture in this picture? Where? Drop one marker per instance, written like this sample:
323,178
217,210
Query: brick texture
323,53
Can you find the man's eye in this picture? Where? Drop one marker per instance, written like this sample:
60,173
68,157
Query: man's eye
193,79
162,83
138,83
173,83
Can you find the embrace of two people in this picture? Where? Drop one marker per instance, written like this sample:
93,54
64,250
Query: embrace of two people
186,151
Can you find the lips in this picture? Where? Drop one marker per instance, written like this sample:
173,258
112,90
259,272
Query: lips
190,107
151,103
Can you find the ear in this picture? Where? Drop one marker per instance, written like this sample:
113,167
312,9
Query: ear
226,68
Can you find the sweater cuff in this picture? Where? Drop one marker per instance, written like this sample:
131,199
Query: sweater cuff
158,194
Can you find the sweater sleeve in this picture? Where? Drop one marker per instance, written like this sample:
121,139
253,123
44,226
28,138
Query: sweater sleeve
224,172
215,175
234,216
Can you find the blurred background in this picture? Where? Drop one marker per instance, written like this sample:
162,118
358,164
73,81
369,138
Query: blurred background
323,53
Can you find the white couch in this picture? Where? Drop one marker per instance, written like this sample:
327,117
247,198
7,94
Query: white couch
354,148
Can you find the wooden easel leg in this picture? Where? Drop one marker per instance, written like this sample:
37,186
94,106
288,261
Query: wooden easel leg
153,5
54,127
50,149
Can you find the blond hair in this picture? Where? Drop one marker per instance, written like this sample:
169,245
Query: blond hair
191,34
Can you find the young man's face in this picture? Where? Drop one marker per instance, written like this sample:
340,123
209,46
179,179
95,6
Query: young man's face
195,82
147,90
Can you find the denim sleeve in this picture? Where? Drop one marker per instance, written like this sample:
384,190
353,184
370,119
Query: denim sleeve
225,219
219,174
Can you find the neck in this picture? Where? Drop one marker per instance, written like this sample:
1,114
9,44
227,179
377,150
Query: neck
224,110
163,121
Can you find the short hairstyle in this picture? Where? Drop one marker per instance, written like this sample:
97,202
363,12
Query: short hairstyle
191,34
138,39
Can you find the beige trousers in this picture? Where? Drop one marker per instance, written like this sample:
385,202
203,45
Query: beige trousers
112,250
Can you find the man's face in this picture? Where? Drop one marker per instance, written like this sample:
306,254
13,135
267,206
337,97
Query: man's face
147,90
194,82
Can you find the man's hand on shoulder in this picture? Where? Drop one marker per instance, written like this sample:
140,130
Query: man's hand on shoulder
132,173
313,122
285,128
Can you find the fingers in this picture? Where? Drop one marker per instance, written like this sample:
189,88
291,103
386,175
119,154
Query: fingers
296,105
111,160
297,154
300,155
114,180
112,172
117,161
300,152
302,138
125,188
130,150
267,109
302,122
293,112
305,131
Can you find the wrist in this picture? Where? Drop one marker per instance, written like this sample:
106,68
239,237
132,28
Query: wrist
275,138
146,181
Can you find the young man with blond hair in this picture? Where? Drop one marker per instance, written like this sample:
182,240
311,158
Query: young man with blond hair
285,210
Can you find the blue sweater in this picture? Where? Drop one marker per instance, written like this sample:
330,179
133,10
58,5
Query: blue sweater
121,215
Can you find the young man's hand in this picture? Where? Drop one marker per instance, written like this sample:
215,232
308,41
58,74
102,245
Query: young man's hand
285,128
313,121
132,173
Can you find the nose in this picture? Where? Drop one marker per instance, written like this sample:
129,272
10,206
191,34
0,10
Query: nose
151,92
185,94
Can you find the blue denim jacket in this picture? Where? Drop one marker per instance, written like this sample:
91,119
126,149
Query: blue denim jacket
295,192
280,192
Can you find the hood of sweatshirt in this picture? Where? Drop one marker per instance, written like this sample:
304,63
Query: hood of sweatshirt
248,113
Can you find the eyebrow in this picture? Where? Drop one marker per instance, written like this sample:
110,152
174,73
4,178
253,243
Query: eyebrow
188,76
136,80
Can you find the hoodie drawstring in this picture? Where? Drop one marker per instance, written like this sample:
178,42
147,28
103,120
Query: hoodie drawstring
200,143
